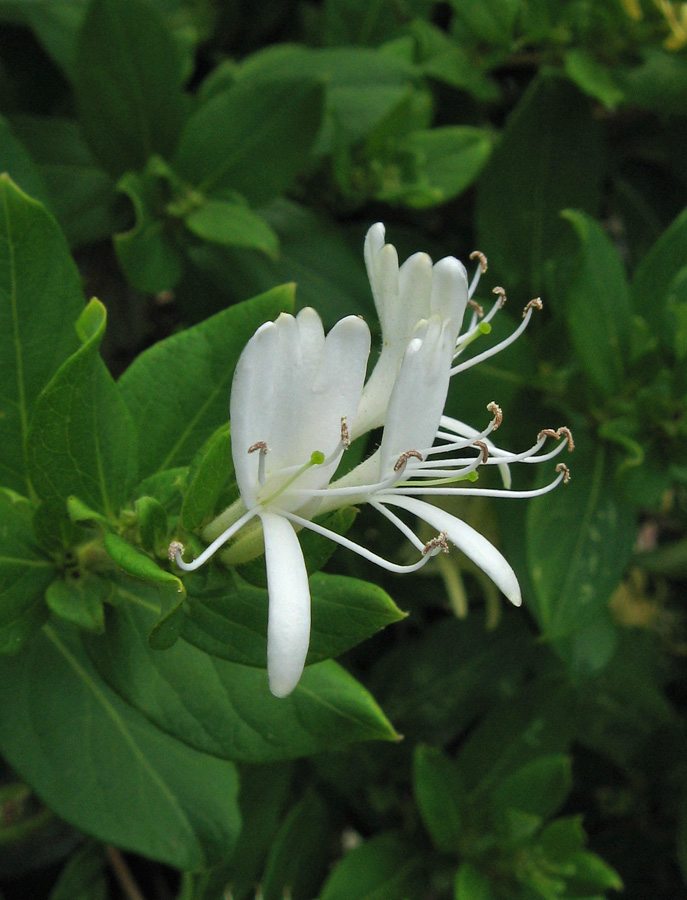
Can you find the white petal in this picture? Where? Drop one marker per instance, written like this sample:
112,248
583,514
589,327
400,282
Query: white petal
474,545
288,629
450,290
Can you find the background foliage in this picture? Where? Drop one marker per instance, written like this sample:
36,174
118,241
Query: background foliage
188,161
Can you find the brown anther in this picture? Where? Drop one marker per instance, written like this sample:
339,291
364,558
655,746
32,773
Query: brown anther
561,467
477,254
478,309
533,304
483,447
258,445
558,434
496,412
345,436
501,295
439,542
174,548
404,457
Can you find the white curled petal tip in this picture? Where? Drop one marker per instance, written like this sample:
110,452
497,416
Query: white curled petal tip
288,629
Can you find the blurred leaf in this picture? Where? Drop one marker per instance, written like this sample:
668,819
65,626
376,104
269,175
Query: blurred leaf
385,867
78,599
16,161
128,74
447,61
472,884
658,84
81,435
592,874
440,797
579,541
40,297
83,877
25,573
152,523
195,400
356,22
490,22
539,788
120,779
234,716
544,163
228,618
232,225
593,77
253,139
597,305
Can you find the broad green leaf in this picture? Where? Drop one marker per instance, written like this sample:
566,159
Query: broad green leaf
83,877
592,874
544,163
490,22
228,617
128,74
194,370
40,297
579,540
385,867
16,161
539,788
440,796
449,160
148,252
25,573
472,884
78,598
212,471
299,854
593,77
80,193
120,779
657,84
447,61
82,439
252,139
232,225
562,838
152,524
597,305
234,716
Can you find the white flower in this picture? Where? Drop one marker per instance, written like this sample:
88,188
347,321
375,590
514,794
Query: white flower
296,397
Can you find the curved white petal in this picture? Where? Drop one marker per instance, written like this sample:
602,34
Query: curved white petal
449,296
288,629
474,545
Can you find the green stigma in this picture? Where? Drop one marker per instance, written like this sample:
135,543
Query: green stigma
484,327
317,458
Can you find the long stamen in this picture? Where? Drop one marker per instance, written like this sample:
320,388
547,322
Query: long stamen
316,459
527,315
479,324
481,269
564,475
363,489
400,524
176,548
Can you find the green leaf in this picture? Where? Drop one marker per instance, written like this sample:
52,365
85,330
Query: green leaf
228,617
195,370
440,797
234,716
253,139
533,174
25,573
82,436
232,225
472,884
593,874
490,22
78,598
593,77
83,877
539,788
299,854
152,524
579,540
212,471
562,838
148,252
16,161
597,305
40,296
128,74
385,867
449,160
120,779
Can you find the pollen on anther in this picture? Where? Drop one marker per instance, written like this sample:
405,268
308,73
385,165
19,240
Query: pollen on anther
345,435
258,445
558,434
497,413
174,548
501,295
437,543
478,309
561,467
483,447
404,457
477,254
533,304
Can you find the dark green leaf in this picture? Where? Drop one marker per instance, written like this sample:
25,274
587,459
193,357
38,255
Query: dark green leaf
232,225
40,297
440,797
78,598
593,77
82,437
593,874
544,163
194,370
19,165
234,716
385,867
83,877
252,139
128,74
120,779
152,523
25,573
213,469
539,788
472,884
597,305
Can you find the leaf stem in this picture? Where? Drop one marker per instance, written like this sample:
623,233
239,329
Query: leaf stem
122,873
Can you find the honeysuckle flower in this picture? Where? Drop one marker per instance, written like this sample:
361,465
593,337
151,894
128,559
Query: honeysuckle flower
296,400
